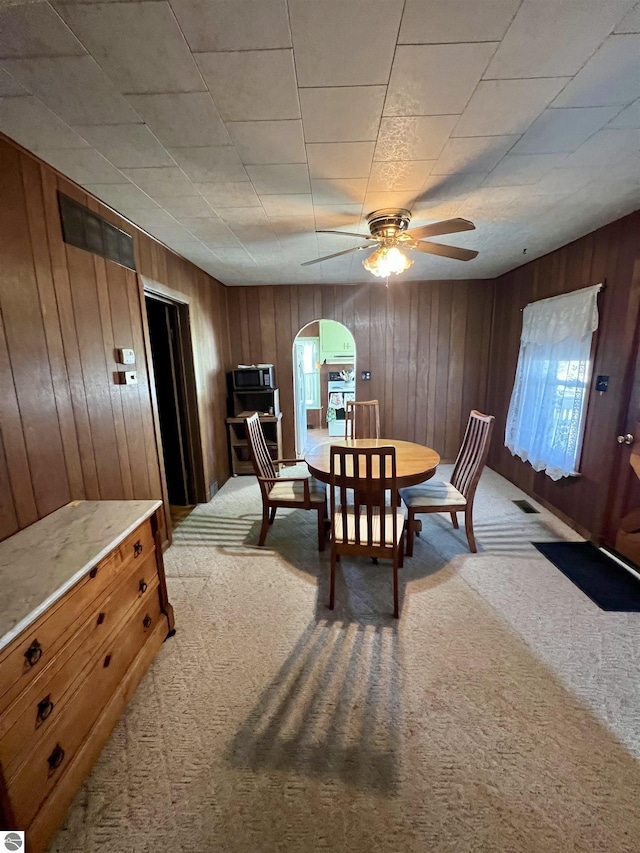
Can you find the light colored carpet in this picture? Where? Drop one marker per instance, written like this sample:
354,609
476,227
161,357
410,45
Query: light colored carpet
500,713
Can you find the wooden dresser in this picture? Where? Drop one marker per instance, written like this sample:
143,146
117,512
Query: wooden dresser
83,611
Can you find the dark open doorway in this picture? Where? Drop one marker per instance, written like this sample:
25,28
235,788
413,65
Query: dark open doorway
175,393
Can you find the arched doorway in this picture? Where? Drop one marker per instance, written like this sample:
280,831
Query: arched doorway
324,361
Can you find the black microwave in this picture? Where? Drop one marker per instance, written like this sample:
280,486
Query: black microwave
253,378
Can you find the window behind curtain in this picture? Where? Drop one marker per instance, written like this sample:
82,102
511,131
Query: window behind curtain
545,422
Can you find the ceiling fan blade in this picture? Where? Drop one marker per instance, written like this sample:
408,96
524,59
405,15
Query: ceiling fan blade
455,252
348,234
336,255
447,226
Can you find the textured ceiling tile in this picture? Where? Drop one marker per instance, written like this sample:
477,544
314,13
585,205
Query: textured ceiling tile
472,154
230,194
232,25
162,182
629,117
342,114
558,130
433,21
378,200
553,38
75,88
239,217
83,165
388,175
34,29
127,145
188,119
268,142
288,205
607,148
414,137
212,232
611,76
286,225
153,218
435,79
344,44
501,107
30,123
340,159
139,45
122,196
275,180
254,85
9,86
186,206
339,191
219,164
631,22
522,169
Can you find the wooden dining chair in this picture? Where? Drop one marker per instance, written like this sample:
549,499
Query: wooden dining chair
362,522
457,495
277,491
362,419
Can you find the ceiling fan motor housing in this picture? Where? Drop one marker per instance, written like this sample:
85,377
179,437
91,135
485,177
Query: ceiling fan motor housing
388,222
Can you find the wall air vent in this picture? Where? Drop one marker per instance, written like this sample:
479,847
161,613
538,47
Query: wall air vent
86,230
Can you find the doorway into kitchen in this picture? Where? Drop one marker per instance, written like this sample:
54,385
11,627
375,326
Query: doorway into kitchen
324,356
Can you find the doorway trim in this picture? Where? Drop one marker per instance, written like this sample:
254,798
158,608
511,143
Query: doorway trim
156,290
300,334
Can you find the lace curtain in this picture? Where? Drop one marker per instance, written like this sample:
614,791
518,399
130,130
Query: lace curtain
545,419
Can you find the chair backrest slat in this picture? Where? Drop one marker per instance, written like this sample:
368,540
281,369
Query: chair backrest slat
369,474
260,456
472,454
362,419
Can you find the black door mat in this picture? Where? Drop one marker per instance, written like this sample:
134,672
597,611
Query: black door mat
604,581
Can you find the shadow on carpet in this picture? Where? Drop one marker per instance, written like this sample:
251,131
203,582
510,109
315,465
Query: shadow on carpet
604,581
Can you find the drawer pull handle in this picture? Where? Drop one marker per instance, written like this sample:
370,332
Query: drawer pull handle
147,621
93,572
138,548
143,587
100,618
107,661
45,707
56,758
33,653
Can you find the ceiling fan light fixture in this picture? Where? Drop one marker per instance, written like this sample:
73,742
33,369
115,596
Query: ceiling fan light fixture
387,260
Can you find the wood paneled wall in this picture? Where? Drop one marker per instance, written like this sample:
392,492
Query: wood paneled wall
67,430
608,256
425,343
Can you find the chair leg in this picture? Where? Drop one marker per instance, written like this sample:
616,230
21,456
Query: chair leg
401,549
272,515
396,605
332,584
321,534
468,526
265,525
454,519
410,534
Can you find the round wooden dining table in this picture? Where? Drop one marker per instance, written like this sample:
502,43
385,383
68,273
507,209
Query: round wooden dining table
415,463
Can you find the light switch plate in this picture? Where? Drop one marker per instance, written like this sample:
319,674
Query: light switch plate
128,377
126,356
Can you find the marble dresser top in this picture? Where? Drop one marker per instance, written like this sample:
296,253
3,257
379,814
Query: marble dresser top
40,563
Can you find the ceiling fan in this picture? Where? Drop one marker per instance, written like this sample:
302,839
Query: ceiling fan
390,234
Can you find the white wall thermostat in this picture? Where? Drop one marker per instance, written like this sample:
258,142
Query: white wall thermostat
126,356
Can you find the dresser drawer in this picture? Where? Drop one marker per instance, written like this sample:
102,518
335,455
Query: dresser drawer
47,763
29,654
37,708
